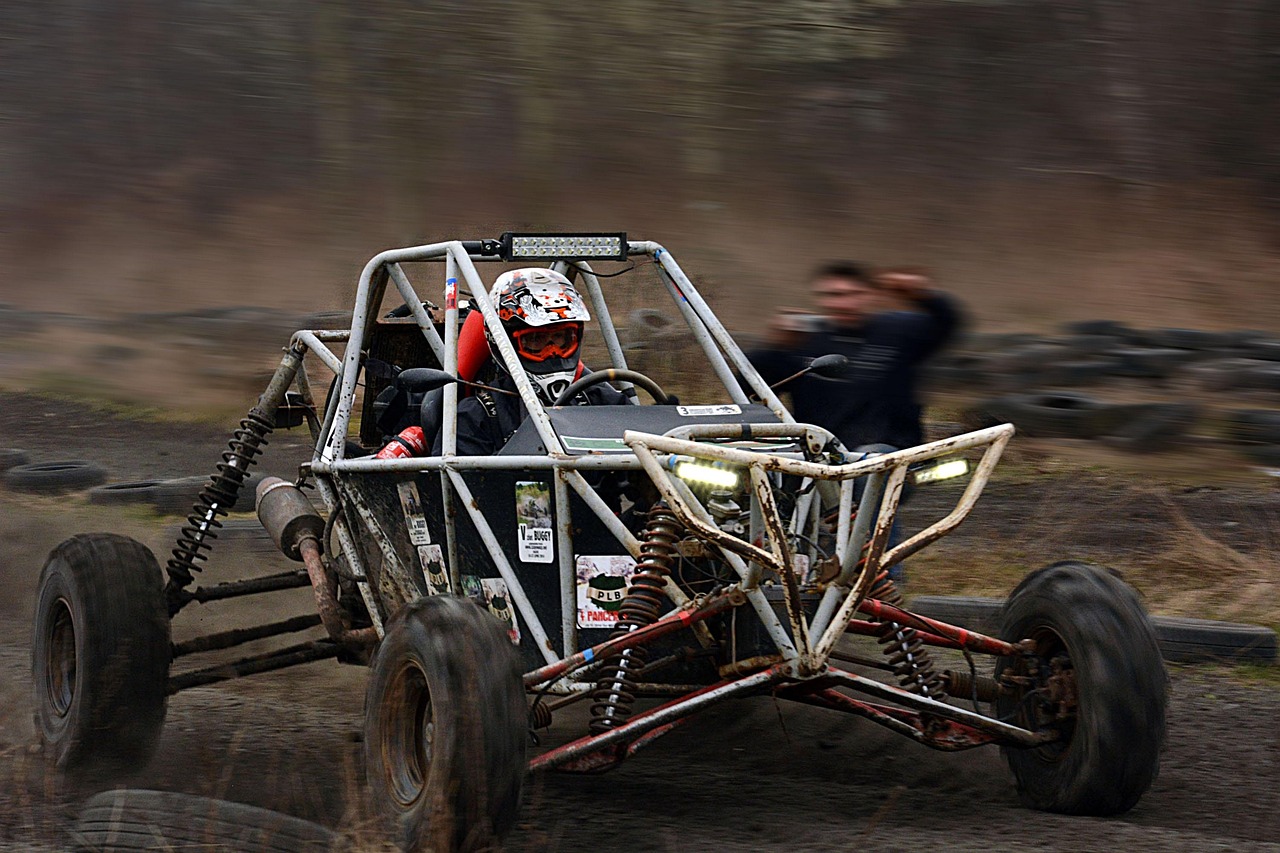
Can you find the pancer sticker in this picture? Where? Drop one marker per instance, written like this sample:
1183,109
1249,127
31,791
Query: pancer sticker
433,569
413,516
534,533
602,585
709,411
498,603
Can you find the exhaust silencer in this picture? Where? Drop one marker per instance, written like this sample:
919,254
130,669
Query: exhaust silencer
288,516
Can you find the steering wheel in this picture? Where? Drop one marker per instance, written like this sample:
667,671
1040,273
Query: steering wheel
592,379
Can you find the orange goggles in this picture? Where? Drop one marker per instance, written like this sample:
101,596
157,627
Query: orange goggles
542,343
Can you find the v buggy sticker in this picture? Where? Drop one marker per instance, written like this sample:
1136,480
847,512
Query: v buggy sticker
534,533
498,603
413,515
602,585
433,569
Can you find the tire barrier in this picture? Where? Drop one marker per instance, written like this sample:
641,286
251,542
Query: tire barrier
54,477
1252,426
1148,427
1054,414
179,496
11,457
1181,640
137,492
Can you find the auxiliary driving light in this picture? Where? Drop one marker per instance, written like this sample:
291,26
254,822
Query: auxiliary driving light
706,475
601,247
946,469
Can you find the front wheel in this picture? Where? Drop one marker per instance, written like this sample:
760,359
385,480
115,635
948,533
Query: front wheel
445,726
1095,678
100,653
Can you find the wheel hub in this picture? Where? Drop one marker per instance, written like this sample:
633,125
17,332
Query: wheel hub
60,672
407,746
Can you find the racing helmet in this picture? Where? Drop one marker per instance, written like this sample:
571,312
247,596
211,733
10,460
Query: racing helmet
543,314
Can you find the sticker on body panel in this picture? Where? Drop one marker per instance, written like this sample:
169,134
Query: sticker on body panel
709,411
433,569
499,604
602,585
414,519
491,594
534,533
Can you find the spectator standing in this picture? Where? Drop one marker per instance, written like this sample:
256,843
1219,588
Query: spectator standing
875,405
876,401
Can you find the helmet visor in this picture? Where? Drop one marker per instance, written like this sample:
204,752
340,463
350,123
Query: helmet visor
544,342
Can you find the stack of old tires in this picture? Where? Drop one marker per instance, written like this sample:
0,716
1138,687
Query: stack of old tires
1070,414
1257,432
1099,352
175,496
1039,383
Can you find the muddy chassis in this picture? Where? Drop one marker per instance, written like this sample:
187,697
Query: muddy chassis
743,588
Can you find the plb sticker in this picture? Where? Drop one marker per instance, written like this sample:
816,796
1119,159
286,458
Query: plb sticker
709,411
499,604
534,535
602,585
413,515
433,569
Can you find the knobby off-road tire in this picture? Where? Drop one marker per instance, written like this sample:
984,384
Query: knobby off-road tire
100,654
1093,624
445,727
125,820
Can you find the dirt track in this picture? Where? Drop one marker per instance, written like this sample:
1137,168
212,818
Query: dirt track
751,776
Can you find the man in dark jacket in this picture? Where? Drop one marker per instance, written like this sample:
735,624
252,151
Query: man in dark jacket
874,406
876,400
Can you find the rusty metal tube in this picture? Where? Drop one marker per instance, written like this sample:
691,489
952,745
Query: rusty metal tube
331,615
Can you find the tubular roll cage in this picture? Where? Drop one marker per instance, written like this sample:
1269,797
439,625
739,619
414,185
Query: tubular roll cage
800,668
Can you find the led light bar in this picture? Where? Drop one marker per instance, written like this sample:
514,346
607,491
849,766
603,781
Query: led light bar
570,247
705,474
944,470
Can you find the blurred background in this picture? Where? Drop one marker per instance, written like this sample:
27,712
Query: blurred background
1051,160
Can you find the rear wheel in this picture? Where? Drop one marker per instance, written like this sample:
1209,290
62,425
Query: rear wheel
445,726
1096,678
100,653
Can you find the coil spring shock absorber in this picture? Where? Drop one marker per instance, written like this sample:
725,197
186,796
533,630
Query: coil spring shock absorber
216,498
904,648
615,690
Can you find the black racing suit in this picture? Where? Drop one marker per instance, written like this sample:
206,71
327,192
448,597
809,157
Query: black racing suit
486,420
875,401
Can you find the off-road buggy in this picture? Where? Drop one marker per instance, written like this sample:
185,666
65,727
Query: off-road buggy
651,560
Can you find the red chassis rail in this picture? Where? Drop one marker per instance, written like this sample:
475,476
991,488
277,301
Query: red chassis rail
931,631
926,721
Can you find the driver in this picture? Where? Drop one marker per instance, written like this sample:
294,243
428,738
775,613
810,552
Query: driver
544,316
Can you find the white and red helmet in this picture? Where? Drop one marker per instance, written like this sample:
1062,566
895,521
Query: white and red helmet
543,313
